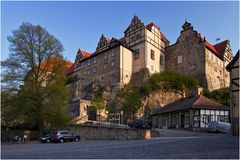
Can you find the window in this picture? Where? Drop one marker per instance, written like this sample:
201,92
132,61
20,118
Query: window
113,63
105,56
94,69
82,65
152,68
89,71
89,62
152,55
138,36
180,59
95,60
113,53
161,60
105,66
132,38
136,54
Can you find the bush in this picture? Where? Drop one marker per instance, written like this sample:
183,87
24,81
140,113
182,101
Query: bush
221,96
170,80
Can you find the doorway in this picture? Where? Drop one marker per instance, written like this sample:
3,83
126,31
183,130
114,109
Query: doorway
182,120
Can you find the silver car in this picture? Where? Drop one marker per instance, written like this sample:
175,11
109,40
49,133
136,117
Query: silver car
64,135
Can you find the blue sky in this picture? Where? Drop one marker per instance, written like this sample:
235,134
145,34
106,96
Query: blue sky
80,24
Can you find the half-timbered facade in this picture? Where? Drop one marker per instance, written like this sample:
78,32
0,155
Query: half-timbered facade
233,68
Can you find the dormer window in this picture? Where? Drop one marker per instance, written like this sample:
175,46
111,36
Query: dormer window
81,56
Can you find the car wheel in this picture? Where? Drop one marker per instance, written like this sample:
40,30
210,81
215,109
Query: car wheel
77,139
48,140
61,140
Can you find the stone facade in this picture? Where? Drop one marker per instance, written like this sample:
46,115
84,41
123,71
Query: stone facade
193,55
115,60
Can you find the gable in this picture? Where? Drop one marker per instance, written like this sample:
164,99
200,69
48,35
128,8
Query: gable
102,44
135,24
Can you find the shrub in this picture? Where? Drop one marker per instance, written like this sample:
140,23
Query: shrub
221,96
170,81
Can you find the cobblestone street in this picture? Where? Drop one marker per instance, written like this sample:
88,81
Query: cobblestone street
170,144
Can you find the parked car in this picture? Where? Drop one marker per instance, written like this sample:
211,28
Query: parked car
47,137
216,126
140,124
64,135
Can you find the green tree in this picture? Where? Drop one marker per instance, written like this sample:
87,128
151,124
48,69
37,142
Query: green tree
34,73
221,95
132,101
98,103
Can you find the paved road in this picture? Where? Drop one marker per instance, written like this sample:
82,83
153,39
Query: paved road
170,144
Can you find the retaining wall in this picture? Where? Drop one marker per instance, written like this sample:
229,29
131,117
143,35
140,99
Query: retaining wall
109,133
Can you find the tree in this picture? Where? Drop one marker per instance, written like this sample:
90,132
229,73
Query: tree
98,103
219,95
132,101
34,73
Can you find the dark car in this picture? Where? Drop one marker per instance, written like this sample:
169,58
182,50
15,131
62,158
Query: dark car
47,137
140,124
64,135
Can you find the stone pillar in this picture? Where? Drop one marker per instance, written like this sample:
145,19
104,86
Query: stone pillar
191,118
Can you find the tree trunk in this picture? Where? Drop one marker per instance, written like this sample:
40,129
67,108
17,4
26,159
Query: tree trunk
40,128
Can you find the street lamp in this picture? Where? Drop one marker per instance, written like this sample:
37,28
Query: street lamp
121,117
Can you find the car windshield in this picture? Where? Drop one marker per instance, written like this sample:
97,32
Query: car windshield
54,133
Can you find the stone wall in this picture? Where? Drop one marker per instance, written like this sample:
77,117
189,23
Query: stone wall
9,134
187,56
109,133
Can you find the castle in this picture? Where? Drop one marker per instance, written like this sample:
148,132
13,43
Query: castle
145,46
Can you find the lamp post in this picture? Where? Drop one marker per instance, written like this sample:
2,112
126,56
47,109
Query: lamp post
121,117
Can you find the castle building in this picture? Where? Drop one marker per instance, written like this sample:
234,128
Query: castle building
144,46
114,60
195,56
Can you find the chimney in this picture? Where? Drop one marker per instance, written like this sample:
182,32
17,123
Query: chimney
199,90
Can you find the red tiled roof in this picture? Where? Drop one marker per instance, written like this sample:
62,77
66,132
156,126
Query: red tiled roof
220,47
149,26
69,67
53,60
122,40
198,101
163,37
108,40
85,54
216,49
